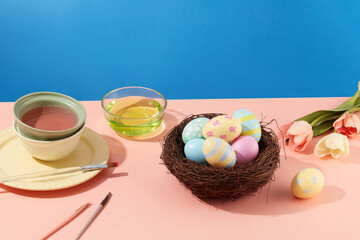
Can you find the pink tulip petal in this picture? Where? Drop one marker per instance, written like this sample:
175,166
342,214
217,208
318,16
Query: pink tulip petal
337,124
353,131
299,128
308,140
291,141
339,120
301,147
300,139
356,120
349,123
341,129
299,135
356,124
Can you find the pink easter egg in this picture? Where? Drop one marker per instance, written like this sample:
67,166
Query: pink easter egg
246,149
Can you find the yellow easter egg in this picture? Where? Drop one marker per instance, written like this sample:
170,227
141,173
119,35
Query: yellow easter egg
225,127
307,183
218,153
250,124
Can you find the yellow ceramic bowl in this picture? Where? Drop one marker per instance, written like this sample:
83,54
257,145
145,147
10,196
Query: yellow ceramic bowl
51,150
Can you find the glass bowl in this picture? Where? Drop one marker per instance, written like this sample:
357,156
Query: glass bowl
134,111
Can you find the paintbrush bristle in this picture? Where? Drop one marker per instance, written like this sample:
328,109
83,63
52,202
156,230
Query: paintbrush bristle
112,164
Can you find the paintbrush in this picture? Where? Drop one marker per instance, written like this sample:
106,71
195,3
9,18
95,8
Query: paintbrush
94,215
52,172
67,220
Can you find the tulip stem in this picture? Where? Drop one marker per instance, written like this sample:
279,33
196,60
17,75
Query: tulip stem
350,102
316,120
354,110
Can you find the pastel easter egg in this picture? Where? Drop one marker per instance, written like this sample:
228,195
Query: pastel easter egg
246,149
225,127
194,129
250,124
193,150
307,183
218,153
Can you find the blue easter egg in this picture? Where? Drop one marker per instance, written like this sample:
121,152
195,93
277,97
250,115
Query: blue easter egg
194,129
193,150
250,124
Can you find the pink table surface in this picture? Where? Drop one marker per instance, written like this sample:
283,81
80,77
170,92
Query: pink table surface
149,203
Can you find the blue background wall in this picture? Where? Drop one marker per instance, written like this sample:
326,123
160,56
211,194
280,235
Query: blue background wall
184,48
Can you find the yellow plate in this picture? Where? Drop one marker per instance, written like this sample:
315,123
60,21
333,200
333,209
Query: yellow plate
14,160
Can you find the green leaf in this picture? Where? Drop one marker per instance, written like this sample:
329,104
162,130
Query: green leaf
350,103
320,116
357,102
324,115
322,120
323,127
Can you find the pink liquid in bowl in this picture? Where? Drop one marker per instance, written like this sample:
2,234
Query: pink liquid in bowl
50,118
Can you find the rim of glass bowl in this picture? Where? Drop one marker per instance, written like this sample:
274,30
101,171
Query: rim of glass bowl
117,116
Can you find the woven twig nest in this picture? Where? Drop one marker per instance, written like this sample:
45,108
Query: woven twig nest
206,181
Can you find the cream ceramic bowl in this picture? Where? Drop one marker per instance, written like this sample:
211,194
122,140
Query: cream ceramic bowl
49,150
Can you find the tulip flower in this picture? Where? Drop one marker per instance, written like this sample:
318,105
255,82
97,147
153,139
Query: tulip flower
334,144
348,124
299,135
323,120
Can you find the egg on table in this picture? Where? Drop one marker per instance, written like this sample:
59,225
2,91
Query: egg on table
225,127
194,150
218,153
194,129
246,149
307,183
250,124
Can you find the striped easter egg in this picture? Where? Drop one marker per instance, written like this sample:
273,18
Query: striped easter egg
218,153
250,124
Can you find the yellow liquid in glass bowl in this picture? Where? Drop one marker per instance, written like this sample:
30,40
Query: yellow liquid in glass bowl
135,116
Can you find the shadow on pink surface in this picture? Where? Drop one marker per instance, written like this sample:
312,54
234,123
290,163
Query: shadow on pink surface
276,197
283,203
354,151
117,154
83,187
116,148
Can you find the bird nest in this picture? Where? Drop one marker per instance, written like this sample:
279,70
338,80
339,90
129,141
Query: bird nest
206,181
